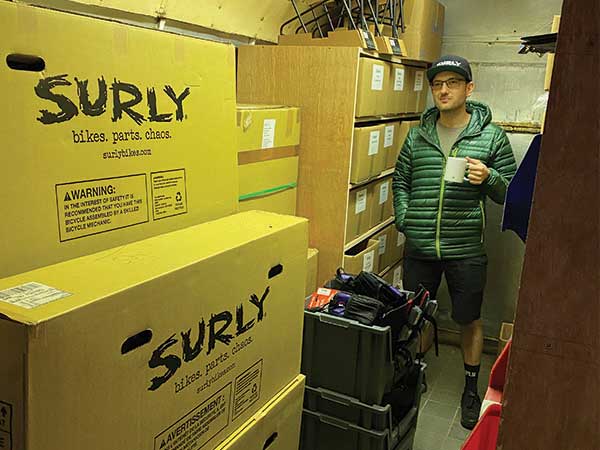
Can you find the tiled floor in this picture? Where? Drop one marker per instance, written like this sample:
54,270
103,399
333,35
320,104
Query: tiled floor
439,425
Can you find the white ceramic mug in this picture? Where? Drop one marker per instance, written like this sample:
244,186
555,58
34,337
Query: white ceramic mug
455,170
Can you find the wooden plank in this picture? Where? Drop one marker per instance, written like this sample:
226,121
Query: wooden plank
322,81
563,394
368,234
552,401
385,173
360,120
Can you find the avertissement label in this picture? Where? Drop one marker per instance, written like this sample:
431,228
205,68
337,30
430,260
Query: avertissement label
199,426
31,295
169,195
97,206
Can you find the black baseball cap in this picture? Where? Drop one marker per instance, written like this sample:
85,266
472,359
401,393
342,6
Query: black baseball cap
450,63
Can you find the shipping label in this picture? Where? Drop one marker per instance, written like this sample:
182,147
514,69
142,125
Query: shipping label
377,78
96,206
399,79
389,136
384,190
374,142
31,295
368,261
361,201
382,244
398,277
419,80
268,136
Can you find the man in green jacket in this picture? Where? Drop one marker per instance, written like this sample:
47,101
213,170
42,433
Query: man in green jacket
444,222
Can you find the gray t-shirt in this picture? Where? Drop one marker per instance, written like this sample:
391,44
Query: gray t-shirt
448,137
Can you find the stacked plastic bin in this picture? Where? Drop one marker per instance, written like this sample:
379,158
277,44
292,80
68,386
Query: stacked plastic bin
361,394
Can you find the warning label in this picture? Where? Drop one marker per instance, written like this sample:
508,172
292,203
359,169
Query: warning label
29,296
247,389
5,426
199,426
91,207
169,197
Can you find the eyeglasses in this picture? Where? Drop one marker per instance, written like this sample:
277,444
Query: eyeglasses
452,83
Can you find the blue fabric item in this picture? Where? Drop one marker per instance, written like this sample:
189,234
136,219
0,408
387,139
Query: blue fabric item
519,195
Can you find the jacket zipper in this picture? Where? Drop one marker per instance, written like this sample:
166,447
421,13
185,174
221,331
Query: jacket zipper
438,230
482,207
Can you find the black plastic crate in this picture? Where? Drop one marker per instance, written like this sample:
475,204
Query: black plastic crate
325,401
322,432
345,356
407,441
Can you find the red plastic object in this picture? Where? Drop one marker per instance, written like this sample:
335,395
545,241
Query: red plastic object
498,376
485,434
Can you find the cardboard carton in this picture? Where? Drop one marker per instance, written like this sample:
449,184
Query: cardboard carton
164,343
398,241
382,208
368,154
126,134
269,185
312,271
362,257
267,126
358,220
268,139
394,275
398,89
424,29
274,427
372,79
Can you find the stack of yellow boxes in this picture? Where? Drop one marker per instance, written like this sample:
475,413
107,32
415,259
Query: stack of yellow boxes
134,302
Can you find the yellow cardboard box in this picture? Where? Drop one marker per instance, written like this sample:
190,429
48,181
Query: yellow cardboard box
373,77
398,88
311,271
268,139
267,126
398,243
368,154
358,220
168,342
382,208
276,426
269,185
126,134
362,257
394,275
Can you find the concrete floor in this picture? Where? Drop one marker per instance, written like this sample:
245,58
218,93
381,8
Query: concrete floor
439,425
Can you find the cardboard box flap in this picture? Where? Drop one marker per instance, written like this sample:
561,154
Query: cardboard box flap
42,294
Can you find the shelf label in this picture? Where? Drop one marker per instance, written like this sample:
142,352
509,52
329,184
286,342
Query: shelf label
389,136
377,79
419,79
368,261
382,244
399,79
361,201
384,191
374,143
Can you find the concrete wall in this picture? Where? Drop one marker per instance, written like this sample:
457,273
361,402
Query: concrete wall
487,33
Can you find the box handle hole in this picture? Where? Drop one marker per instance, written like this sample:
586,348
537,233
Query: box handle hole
136,341
269,441
27,63
275,270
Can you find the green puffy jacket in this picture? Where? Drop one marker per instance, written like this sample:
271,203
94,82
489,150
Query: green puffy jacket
445,220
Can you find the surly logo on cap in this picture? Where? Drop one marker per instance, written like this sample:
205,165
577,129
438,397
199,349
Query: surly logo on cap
448,63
